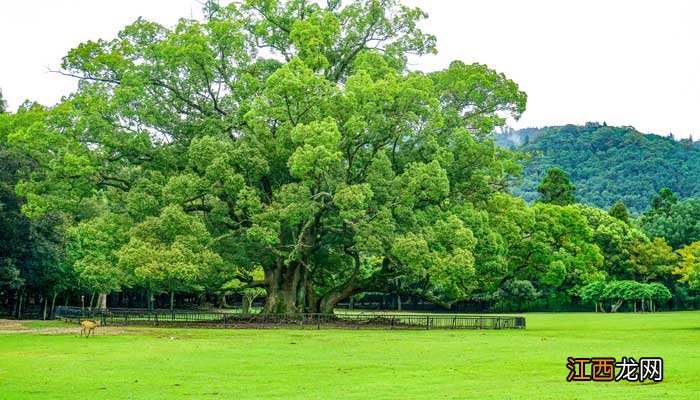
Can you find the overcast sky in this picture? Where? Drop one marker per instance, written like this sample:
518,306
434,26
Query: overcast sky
624,62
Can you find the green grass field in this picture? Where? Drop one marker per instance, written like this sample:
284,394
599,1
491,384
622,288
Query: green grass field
52,362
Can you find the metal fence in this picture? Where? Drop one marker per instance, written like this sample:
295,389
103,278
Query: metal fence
214,319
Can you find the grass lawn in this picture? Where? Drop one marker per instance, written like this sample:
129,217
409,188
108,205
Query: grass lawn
146,363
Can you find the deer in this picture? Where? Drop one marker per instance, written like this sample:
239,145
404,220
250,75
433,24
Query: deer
89,327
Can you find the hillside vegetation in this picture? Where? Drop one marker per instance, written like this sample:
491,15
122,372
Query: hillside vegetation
607,163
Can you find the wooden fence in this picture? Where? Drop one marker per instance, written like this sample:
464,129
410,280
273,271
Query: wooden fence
222,319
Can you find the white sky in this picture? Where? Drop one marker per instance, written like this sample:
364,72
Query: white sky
625,62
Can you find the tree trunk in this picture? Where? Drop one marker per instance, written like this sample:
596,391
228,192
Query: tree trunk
102,301
149,299
245,305
92,298
172,300
398,302
53,305
351,304
46,305
289,290
283,294
332,298
616,306
635,306
21,303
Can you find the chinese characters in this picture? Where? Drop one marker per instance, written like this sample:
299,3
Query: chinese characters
606,369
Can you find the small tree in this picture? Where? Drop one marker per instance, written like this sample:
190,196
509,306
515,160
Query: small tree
249,296
689,265
92,252
662,202
619,211
594,293
172,250
556,188
241,285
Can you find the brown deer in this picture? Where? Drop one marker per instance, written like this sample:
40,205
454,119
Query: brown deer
89,327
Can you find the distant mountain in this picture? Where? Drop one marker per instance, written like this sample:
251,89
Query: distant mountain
607,163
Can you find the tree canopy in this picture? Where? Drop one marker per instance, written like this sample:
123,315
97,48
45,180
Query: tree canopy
288,135
556,188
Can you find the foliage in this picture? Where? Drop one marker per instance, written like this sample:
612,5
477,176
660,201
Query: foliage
285,149
619,211
515,294
171,252
329,164
626,290
92,251
607,163
556,188
31,250
594,293
689,264
677,222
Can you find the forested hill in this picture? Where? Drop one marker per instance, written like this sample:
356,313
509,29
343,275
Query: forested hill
607,163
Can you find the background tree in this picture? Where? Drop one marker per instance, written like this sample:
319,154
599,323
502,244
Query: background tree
676,222
516,294
556,253
594,293
92,250
556,188
619,211
689,264
662,202
171,250
32,264
654,260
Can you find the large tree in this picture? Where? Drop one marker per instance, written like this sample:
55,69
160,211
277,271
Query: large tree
296,135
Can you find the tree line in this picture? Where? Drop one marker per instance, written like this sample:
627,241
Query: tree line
285,151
